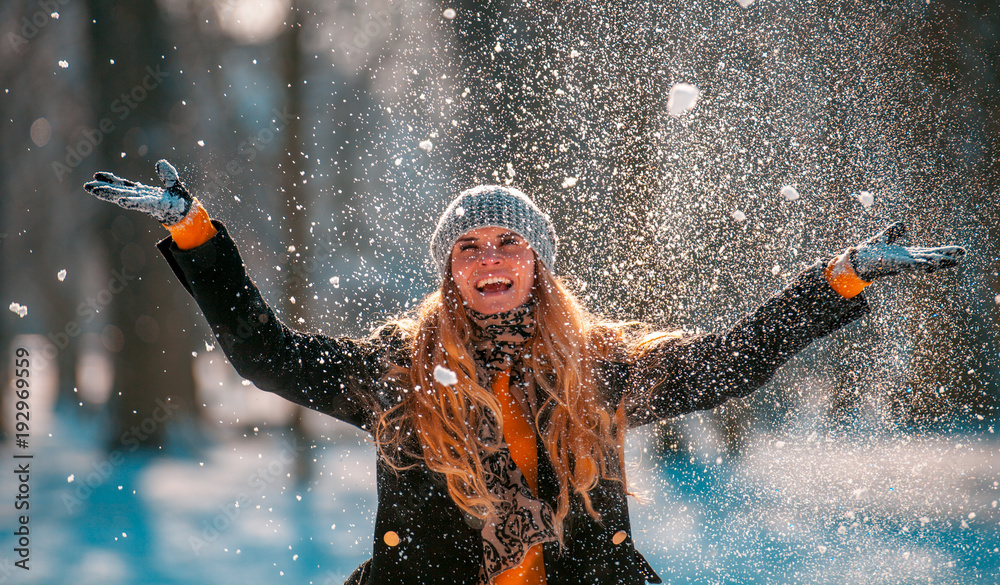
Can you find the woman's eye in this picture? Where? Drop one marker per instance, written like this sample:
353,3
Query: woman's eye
465,247
507,241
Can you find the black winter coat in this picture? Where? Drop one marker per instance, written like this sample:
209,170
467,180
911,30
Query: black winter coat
437,544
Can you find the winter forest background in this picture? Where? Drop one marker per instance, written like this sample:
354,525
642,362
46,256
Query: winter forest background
328,136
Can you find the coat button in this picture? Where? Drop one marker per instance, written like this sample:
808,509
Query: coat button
391,538
619,537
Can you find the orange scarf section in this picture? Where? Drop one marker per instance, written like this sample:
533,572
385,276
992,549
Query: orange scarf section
520,438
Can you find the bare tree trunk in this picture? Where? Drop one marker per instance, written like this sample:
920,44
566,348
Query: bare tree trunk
6,260
943,150
295,197
152,356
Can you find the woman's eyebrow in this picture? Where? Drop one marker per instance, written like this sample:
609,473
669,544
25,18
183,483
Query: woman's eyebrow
497,237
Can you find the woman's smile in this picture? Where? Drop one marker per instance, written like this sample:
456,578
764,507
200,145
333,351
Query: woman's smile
494,284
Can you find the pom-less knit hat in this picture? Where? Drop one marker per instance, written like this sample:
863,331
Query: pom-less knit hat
494,206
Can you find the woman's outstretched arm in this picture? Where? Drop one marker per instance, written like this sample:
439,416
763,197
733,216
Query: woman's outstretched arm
673,376
337,376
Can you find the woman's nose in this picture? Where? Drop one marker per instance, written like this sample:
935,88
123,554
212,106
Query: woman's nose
490,255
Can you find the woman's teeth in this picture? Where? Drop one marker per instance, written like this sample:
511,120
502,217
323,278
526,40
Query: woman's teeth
494,283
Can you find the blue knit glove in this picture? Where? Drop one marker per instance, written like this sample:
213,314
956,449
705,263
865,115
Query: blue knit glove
168,205
880,256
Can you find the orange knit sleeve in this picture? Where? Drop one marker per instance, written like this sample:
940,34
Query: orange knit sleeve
842,278
194,229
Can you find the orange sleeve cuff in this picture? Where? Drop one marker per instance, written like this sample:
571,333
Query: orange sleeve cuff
842,278
194,229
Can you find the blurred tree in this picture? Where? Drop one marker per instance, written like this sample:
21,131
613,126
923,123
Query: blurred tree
959,46
559,104
6,276
35,246
365,42
132,87
43,221
296,198
936,112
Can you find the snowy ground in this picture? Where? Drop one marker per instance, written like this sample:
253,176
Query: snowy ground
814,509
796,508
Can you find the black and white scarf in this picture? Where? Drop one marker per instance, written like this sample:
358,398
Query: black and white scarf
521,520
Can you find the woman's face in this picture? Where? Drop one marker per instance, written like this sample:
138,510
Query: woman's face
493,268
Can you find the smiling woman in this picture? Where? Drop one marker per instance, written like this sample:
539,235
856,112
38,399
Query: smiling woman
509,469
493,268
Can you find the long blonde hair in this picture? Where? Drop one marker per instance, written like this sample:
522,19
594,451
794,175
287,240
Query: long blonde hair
584,442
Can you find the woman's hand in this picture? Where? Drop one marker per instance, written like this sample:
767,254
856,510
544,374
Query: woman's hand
880,256
168,205
857,267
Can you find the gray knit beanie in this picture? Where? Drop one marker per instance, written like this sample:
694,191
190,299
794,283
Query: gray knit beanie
494,206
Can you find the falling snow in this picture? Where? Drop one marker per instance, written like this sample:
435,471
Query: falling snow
866,199
683,97
445,376
821,477
789,193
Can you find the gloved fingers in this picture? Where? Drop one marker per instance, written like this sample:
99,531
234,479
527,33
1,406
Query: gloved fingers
108,191
927,265
950,250
937,258
92,186
114,179
167,173
147,203
114,191
956,252
879,257
889,235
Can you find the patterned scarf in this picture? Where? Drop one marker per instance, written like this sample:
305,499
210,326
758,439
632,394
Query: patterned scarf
498,340
521,520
